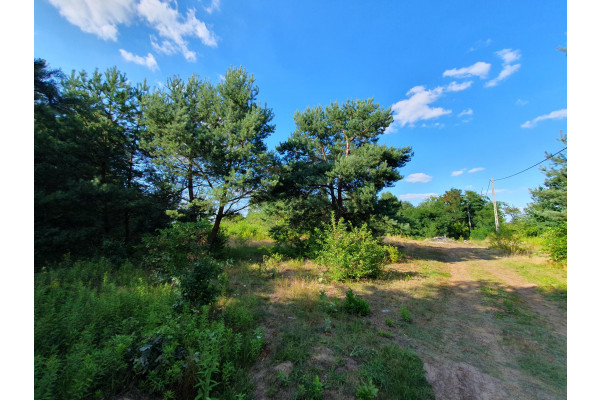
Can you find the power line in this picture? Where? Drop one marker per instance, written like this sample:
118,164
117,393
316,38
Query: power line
486,192
545,159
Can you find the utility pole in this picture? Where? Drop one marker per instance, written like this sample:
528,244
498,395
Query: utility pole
495,207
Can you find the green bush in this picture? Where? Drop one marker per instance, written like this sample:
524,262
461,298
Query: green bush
354,305
509,240
367,391
555,243
350,253
179,255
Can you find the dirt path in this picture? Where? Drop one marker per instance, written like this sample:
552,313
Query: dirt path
473,360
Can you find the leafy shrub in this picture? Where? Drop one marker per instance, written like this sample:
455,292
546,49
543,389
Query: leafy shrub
326,305
180,255
311,390
350,254
367,391
406,317
509,240
394,254
555,242
200,285
354,305
389,322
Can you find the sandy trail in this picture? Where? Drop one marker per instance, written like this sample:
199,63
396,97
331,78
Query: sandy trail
466,324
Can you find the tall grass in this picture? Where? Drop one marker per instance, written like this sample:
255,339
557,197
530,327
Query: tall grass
101,328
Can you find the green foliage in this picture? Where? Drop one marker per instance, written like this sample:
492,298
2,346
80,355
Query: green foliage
333,163
406,316
394,254
328,306
549,206
389,322
355,305
367,391
555,242
101,328
508,239
211,137
180,254
350,253
92,182
310,389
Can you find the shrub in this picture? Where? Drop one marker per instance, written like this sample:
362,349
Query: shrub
555,243
179,255
406,317
350,253
367,391
354,305
394,254
509,240
200,285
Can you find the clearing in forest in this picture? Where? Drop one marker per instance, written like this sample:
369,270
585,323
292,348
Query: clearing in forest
484,325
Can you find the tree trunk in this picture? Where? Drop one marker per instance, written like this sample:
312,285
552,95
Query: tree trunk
193,213
215,229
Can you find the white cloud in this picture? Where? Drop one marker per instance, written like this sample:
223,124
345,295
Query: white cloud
102,19
558,114
215,5
416,107
148,61
418,177
481,43
465,112
171,27
475,170
520,102
416,196
479,69
508,56
459,172
507,71
97,17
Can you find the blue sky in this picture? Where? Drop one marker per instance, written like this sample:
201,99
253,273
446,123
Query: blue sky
478,89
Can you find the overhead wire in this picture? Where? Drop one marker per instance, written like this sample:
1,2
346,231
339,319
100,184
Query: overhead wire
526,169
545,159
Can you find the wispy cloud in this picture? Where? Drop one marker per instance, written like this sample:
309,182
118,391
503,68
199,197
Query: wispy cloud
173,28
148,61
417,106
459,172
480,69
480,43
475,170
508,57
418,177
416,196
558,114
520,102
465,112
102,18
215,5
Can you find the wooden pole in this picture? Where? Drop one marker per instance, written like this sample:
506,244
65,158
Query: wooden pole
495,207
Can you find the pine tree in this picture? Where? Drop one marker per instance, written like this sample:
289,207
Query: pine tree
212,139
549,207
333,163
